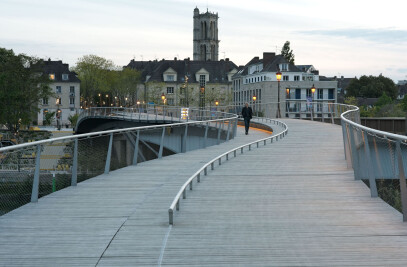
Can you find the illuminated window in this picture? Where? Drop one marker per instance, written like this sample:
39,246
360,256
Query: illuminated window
52,76
59,101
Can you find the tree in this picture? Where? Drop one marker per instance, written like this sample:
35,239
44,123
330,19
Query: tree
372,87
288,53
22,86
93,71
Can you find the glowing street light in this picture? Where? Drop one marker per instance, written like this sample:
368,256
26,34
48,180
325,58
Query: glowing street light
278,75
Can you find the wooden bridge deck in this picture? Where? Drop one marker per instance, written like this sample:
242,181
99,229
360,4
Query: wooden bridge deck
292,203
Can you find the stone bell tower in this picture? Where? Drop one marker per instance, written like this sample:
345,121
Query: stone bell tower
206,42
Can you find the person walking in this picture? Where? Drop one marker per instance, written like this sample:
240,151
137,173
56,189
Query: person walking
247,115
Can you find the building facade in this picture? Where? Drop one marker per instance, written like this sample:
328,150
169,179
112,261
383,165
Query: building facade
66,88
206,42
186,82
258,78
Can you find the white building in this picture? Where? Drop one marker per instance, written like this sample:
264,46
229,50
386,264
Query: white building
66,88
258,78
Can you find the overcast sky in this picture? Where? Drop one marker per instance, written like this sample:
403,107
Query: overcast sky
347,37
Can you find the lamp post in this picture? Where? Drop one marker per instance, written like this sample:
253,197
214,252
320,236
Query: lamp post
278,75
312,102
287,103
100,99
254,102
163,98
107,99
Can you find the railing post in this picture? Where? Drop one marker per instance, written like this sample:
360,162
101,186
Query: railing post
235,128
206,134
160,152
219,131
354,155
346,145
227,136
184,141
184,194
206,171
220,161
234,153
198,178
135,155
171,216
109,154
36,182
212,166
369,165
74,179
402,177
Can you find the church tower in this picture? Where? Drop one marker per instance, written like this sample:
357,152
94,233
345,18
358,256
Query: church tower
206,42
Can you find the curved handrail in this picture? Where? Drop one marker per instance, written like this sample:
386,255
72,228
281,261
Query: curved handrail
78,136
370,130
182,191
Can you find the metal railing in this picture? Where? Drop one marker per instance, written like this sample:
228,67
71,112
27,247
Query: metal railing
32,170
376,155
175,205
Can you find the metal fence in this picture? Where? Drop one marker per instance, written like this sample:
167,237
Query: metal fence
377,157
30,171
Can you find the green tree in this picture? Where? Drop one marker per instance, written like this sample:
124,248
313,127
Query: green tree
372,87
287,52
22,86
351,100
93,71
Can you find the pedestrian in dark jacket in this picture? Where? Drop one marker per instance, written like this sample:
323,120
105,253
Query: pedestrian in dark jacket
247,115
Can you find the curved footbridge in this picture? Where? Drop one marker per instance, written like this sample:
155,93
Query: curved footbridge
290,203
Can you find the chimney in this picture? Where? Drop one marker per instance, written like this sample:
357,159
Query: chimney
175,58
267,58
227,59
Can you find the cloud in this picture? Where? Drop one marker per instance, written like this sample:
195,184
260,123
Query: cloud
382,36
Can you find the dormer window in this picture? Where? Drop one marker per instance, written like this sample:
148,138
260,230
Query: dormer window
284,67
64,77
52,76
170,78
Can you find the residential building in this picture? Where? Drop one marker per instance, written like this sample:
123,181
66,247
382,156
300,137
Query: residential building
186,82
65,86
258,77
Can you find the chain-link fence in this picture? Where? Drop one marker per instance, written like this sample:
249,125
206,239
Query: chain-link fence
30,171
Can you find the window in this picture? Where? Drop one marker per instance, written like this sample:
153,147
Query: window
58,89
330,93
285,78
309,94
72,100
182,101
202,80
297,93
45,101
64,77
72,89
320,94
52,76
296,78
170,78
72,109
59,101
284,67
170,90
170,101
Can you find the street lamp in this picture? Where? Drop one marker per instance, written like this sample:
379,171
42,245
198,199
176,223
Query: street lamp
100,99
287,108
278,75
254,102
216,103
163,98
312,101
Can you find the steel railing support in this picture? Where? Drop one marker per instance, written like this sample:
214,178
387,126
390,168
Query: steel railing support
109,154
74,179
36,182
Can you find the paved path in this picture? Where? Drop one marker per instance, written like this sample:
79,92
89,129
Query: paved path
292,203
105,218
